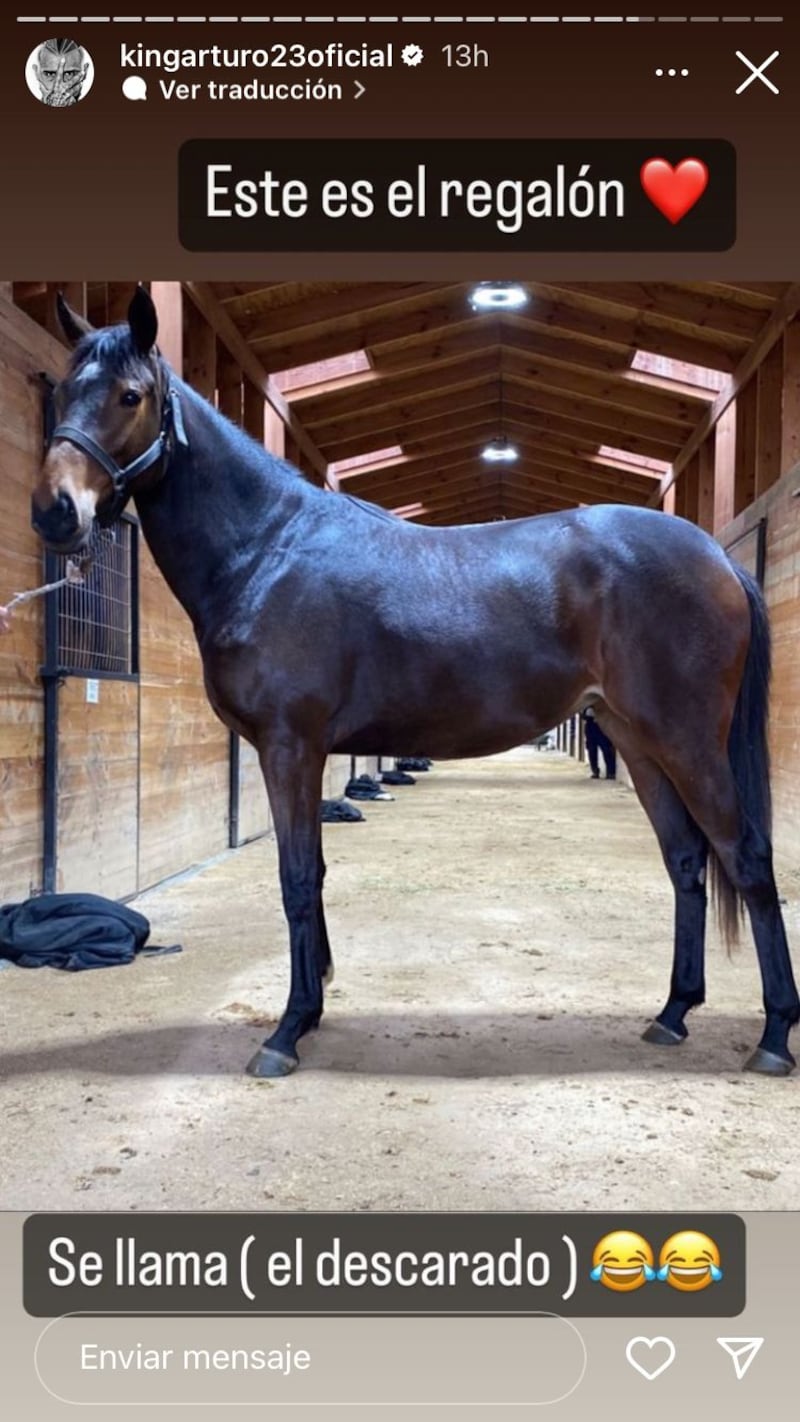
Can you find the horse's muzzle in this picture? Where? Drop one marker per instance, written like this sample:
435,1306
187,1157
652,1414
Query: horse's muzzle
59,524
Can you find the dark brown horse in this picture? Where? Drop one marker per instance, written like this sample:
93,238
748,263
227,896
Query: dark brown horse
327,625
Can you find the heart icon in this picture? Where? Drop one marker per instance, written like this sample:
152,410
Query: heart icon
674,191
652,1360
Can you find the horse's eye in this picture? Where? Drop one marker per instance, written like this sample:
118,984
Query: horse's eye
131,397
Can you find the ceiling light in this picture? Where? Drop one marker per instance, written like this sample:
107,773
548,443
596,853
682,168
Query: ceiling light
498,296
499,451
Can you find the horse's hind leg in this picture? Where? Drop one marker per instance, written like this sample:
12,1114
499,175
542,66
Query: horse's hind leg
684,848
756,883
744,853
703,779
293,774
685,851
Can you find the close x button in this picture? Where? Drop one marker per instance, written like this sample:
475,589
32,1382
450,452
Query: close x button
757,71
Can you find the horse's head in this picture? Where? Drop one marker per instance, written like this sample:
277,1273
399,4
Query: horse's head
110,412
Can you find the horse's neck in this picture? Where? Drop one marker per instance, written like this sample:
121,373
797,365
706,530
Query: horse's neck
214,515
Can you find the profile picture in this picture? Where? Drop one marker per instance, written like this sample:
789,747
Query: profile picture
59,72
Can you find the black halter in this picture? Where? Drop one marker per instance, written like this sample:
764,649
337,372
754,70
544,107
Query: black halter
123,478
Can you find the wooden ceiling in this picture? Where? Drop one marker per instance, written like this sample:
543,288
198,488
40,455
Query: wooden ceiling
555,379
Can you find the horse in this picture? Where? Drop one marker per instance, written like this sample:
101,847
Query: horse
327,625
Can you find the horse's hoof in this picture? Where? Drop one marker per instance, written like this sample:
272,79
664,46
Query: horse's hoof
769,1063
660,1036
268,1063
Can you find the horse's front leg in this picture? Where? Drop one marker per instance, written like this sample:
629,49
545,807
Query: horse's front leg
293,775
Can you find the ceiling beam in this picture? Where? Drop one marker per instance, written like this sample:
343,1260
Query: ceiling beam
217,317
527,473
369,320
785,311
605,483
319,304
394,425
630,330
385,392
621,430
600,475
532,409
388,469
469,437
574,489
418,433
629,395
666,304
390,493
288,342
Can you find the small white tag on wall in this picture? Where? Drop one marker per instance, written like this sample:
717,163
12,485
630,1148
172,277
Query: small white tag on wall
92,691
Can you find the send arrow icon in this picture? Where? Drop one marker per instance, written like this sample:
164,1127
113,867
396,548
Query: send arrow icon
742,1351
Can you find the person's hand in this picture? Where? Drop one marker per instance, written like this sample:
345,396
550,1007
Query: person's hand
5,620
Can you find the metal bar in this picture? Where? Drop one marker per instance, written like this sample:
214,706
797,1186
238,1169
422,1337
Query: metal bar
234,772
50,679
134,597
97,674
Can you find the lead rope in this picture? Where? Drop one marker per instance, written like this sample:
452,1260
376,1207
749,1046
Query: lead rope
75,574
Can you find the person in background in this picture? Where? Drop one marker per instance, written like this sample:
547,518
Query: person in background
597,742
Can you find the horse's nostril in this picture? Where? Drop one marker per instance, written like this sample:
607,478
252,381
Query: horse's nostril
57,523
67,512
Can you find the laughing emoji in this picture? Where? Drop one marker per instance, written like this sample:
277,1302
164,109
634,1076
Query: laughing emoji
623,1261
689,1261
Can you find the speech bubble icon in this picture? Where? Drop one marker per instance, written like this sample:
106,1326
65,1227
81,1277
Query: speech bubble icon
134,87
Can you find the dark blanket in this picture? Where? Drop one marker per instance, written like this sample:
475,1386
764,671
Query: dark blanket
72,931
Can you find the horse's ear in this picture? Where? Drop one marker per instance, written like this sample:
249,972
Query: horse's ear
143,321
73,325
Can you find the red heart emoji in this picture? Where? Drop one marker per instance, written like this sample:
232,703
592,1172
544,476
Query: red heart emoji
674,191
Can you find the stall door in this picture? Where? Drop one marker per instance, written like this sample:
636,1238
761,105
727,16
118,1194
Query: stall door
92,720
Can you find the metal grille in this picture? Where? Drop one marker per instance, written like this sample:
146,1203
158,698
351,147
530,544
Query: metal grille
95,619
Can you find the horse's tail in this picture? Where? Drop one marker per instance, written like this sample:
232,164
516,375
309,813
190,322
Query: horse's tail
748,752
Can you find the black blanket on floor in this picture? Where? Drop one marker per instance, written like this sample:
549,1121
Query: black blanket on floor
72,931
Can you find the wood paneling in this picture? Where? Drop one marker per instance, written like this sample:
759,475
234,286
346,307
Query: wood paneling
98,752
184,747
705,491
780,506
724,468
199,352
25,349
690,507
746,444
254,813
168,299
790,448
769,421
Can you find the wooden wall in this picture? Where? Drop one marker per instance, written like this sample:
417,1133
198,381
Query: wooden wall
780,507
783,596
98,758
25,349
752,437
748,468
184,749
